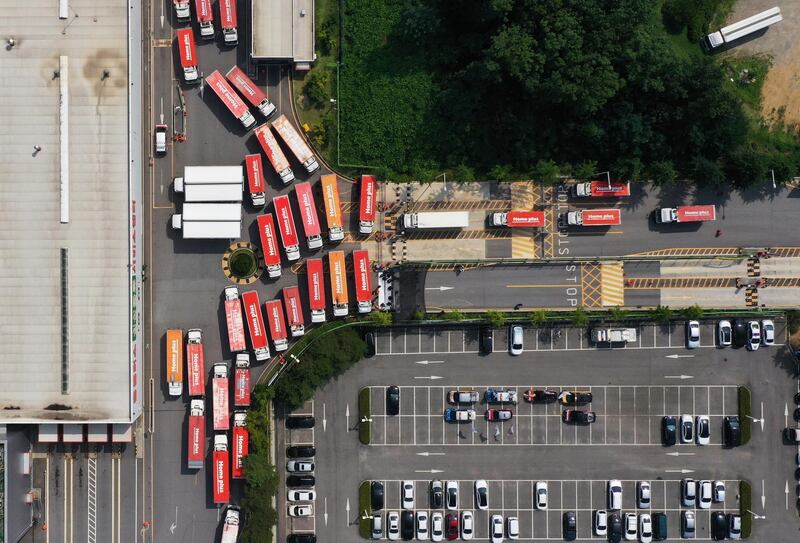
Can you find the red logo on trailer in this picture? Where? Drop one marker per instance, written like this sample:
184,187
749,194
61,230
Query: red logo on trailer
254,320
203,8
226,94
363,285
275,316
527,219
367,209
227,12
316,288
285,220
255,173
294,310
187,48
601,217
266,229
197,375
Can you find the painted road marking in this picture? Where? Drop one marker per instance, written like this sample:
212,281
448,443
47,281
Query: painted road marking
612,286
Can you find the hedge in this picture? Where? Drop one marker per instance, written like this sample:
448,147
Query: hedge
745,507
745,420
364,412
364,510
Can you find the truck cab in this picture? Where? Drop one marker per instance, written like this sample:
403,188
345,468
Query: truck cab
182,12
230,528
666,215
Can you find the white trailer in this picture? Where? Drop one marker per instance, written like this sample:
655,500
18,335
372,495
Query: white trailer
743,28
209,175
211,212
212,193
614,335
436,219
207,229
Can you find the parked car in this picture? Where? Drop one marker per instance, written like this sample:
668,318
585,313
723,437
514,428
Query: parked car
407,525
540,493
486,340
436,495
575,397
739,333
463,396
631,527
467,525
687,429
161,139
660,532
437,526
535,395
719,526
791,435
692,335
704,496
422,525
459,415
301,538
753,335
299,466
668,431
500,396
703,430
481,495
407,494
614,528
376,495
451,493
301,495
734,526
645,528
615,494
303,481
451,526
392,400
689,492
732,431
377,525
301,451
393,525
724,334
570,531
512,527
498,415
687,525
305,510
305,421
643,491
719,492
601,522
496,528
515,340
767,332
576,416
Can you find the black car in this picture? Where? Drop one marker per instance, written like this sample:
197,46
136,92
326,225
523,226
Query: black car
305,421
659,526
301,451
740,331
614,528
575,397
669,431
570,526
732,431
538,395
576,416
301,538
719,526
486,340
369,339
437,495
407,525
300,480
376,495
393,400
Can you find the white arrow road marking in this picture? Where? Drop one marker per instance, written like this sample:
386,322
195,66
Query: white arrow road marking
161,115
326,511
684,470
680,454
428,471
347,511
347,417
763,497
174,524
439,288
431,377
426,362
680,356
786,491
785,414
762,416
162,14
681,377
426,453
324,420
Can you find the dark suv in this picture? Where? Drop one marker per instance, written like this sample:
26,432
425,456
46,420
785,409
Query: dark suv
486,340
301,451
669,429
732,431
376,495
305,421
300,480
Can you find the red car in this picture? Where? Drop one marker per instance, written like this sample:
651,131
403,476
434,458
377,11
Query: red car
498,414
451,526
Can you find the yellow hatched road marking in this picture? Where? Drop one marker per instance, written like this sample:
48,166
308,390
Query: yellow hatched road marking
612,284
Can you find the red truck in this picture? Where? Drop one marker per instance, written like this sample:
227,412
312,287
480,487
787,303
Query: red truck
241,443
233,318
283,211
255,324
682,214
221,460
196,441
241,381
269,244
277,324
231,100
602,189
518,219
205,18
594,217
194,363
361,269
255,179
250,91
308,215
188,54
315,275
274,153
219,394
367,202
228,21
294,310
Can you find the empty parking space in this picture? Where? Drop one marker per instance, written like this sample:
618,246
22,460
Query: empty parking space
625,415
515,498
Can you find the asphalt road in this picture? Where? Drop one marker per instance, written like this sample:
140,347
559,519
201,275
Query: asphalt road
342,463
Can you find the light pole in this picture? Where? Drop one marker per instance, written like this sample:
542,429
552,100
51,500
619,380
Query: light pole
444,176
608,176
774,186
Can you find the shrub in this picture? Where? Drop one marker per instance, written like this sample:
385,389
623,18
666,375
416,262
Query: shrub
745,506
580,318
364,412
662,314
364,510
745,420
454,315
693,312
538,318
496,318
316,88
381,318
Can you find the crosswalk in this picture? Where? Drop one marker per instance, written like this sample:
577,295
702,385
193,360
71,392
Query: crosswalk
612,284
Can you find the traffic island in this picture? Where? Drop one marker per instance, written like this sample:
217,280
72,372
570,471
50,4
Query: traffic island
745,419
240,263
746,507
364,416
364,510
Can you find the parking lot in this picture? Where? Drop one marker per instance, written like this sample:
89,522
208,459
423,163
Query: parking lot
516,499
291,437
626,415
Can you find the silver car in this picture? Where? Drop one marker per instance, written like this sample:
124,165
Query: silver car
515,340
767,332
687,525
692,335
724,334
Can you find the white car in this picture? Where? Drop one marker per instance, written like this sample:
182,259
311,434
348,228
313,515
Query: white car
302,495
689,492
687,429
408,494
753,335
734,526
704,496
692,335
377,526
305,510
724,334
422,525
541,495
161,139
515,340
467,525
496,528
645,528
451,495
512,527
481,495
437,526
299,466
644,495
630,527
393,525
703,430
767,332
615,494
687,525
719,492
601,522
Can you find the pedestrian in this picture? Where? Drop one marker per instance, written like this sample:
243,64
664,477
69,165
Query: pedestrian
718,233
517,307
461,435
11,42
37,148
511,430
497,433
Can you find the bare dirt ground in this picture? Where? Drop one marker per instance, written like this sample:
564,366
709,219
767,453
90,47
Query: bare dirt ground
781,94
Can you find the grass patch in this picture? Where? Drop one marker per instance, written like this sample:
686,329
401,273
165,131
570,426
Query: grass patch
364,510
744,413
745,78
364,411
745,506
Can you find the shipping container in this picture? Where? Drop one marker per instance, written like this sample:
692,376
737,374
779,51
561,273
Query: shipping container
316,289
602,189
269,244
219,394
251,92
295,142
228,21
294,311
255,324
175,362
255,179
188,55
338,277
277,324
233,318
519,219
241,444
241,381
229,97
283,213
333,208
205,18
196,439
308,215
195,365
274,154
221,469
367,204
363,280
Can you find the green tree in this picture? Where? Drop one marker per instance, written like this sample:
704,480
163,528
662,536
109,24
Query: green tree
585,169
454,315
317,88
693,312
546,171
579,317
617,314
381,318
538,318
496,318
662,172
662,314
463,174
418,315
